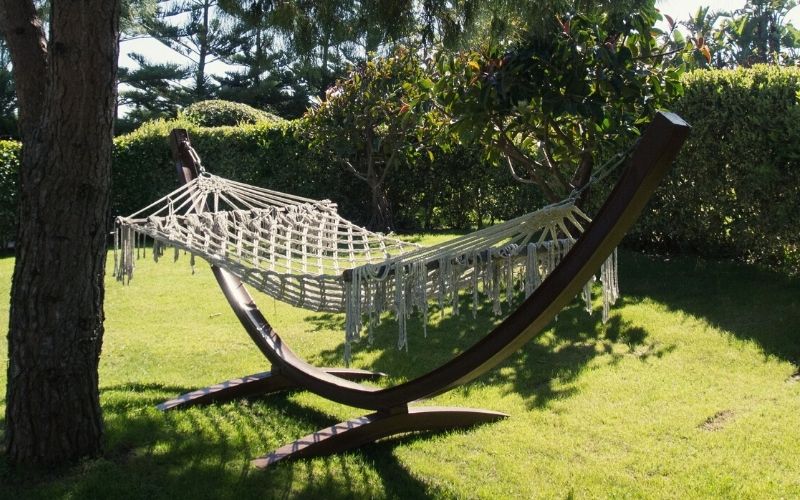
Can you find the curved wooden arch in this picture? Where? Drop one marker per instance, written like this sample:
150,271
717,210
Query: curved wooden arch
646,167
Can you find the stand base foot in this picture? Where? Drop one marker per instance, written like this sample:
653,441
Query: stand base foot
358,431
253,385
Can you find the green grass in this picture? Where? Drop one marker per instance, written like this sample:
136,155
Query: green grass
691,390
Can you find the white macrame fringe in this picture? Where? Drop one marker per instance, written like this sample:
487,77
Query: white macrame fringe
610,281
496,277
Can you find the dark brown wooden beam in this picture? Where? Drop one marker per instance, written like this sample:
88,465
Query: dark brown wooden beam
369,428
257,384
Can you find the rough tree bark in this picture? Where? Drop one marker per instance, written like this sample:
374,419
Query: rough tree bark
56,322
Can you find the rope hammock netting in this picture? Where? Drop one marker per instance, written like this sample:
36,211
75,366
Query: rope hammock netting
302,252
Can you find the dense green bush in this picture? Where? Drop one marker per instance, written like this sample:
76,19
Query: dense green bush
265,154
9,167
454,191
735,189
459,190
218,113
366,123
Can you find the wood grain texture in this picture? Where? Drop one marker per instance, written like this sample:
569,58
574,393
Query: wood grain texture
23,32
369,428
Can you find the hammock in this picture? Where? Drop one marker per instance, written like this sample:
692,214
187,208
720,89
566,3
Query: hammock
302,252
393,412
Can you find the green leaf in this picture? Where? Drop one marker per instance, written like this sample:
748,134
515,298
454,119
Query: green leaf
426,83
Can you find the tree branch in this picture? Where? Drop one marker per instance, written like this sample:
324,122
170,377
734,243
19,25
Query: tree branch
548,157
660,54
355,171
567,140
514,173
582,175
386,167
513,153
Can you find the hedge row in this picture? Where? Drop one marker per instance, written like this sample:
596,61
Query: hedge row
264,154
735,188
9,167
459,192
734,192
218,113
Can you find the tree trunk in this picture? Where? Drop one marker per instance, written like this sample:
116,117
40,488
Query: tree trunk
56,322
582,177
200,74
381,218
258,68
323,87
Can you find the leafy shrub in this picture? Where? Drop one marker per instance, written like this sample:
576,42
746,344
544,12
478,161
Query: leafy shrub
380,125
366,123
218,113
267,154
459,189
9,168
455,191
553,102
733,192
735,189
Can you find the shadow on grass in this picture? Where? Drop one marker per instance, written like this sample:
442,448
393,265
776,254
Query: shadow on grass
543,371
555,358
752,304
204,452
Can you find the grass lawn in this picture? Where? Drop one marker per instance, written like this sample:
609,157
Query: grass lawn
691,390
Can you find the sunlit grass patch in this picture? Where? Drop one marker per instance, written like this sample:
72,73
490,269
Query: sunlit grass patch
690,390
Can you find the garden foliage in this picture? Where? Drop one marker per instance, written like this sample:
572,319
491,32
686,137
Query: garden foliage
459,192
734,191
735,188
218,113
9,167
560,99
367,126
266,154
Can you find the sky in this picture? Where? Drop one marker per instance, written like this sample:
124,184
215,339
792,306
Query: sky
682,9
677,9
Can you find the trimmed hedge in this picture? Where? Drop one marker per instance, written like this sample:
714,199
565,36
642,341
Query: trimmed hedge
458,191
735,188
734,191
265,154
9,169
219,113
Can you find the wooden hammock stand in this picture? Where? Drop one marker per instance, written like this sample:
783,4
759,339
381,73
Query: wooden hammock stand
392,414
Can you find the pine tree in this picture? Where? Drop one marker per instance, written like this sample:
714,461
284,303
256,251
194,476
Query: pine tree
261,78
193,29
151,91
